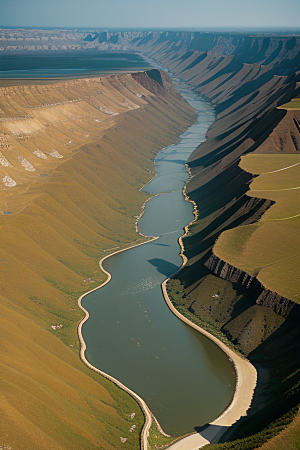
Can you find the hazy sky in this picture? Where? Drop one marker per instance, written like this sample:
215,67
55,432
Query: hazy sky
150,13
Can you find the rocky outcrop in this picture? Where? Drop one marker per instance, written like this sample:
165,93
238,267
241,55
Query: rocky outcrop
228,272
266,298
280,305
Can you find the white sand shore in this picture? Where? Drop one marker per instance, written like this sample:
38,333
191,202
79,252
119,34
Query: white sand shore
245,372
246,381
245,385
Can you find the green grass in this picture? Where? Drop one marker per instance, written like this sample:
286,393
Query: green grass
202,312
293,104
156,440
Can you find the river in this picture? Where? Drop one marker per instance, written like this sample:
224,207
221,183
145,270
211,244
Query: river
49,65
131,334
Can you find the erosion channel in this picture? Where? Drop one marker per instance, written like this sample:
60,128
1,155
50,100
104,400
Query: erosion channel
131,334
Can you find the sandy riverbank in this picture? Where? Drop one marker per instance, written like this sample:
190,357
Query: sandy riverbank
245,373
246,377
245,385
147,413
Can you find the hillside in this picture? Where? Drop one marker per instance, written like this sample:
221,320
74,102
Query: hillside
73,158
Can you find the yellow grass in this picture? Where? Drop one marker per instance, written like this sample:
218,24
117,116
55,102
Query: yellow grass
293,104
270,249
61,225
47,398
261,163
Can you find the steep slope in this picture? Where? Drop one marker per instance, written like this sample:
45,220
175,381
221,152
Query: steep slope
78,153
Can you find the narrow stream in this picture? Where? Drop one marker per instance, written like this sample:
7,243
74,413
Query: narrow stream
131,334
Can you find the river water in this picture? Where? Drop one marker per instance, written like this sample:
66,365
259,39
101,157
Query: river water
131,334
68,64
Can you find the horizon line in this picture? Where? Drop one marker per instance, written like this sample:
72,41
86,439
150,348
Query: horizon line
182,28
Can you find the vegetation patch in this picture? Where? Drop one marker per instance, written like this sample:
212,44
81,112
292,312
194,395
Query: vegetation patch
156,440
293,104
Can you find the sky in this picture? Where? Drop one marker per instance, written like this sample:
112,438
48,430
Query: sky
150,13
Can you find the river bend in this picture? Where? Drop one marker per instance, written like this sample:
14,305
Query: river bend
131,334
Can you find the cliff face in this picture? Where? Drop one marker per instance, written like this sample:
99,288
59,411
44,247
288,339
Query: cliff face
267,299
245,78
280,305
224,270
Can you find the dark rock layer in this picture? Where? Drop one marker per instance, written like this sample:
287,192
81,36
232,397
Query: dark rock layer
268,299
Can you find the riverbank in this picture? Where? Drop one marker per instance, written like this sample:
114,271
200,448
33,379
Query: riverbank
117,301
246,375
219,188
146,410
245,385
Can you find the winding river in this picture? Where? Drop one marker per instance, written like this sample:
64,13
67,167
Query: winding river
131,334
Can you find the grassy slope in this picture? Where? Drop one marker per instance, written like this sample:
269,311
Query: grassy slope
83,209
255,248
234,303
